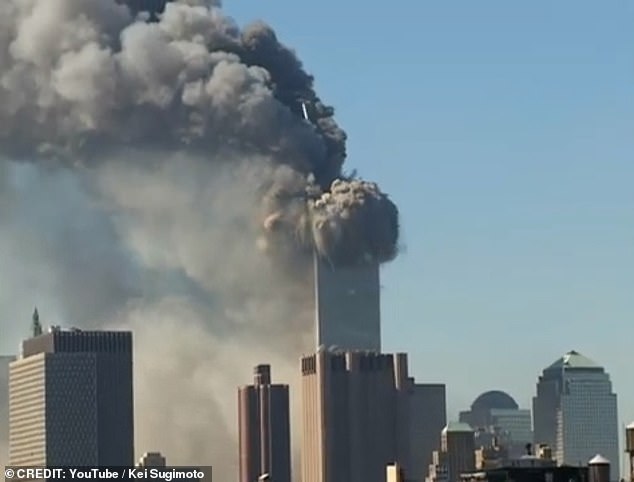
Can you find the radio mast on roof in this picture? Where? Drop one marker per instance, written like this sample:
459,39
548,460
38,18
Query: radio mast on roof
36,325
305,111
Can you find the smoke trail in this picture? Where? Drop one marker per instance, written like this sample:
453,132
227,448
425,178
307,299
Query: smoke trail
160,175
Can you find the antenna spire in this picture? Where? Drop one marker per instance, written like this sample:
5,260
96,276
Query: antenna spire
305,112
36,325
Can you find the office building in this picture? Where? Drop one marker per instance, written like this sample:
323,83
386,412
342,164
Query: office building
575,410
71,401
496,418
354,416
264,429
347,306
479,415
457,441
456,454
428,416
515,426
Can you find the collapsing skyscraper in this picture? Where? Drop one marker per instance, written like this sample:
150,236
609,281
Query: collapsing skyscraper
347,306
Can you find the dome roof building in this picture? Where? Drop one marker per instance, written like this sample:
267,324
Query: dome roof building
497,418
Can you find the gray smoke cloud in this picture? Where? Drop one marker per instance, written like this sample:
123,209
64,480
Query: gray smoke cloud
159,175
81,77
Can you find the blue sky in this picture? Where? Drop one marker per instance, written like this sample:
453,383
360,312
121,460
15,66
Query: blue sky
504,130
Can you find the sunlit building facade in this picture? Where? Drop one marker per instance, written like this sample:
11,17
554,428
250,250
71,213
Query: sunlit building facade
575,411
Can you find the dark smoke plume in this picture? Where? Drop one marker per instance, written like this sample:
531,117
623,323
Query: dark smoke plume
81,78
157,174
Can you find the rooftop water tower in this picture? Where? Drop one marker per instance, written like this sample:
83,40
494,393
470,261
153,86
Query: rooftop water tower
599,469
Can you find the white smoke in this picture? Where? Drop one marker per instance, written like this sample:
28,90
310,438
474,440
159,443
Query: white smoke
171,257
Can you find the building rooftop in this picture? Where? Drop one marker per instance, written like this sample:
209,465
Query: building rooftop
494,399
457,427
573,359
599,460
529,473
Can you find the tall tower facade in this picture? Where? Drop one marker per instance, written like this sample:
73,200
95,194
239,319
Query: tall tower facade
428,416
354,416
575,410
264,429
347,306
79,376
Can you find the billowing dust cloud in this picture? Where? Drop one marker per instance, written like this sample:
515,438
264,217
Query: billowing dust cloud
159,174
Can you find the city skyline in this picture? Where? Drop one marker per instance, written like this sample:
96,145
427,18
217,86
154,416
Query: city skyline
447,258
60,352
502,132
453,415
519,221
453,409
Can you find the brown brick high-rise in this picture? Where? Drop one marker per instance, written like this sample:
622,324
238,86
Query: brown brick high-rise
264,429
355,414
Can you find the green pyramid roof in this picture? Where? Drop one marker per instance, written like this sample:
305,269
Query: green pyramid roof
572,360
